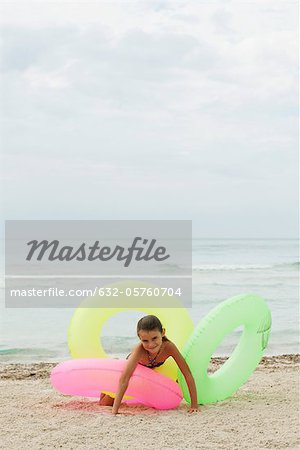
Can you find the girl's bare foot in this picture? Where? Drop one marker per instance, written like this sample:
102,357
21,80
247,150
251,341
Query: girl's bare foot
105,400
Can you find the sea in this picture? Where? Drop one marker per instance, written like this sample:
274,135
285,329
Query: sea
222,268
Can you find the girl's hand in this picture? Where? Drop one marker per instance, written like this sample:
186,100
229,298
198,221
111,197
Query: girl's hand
193,409
114,411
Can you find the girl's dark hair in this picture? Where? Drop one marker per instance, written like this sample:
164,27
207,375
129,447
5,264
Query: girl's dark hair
150,323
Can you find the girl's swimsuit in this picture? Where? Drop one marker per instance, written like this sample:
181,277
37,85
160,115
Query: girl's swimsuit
150,365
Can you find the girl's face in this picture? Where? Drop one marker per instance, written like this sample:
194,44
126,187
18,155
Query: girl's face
151,340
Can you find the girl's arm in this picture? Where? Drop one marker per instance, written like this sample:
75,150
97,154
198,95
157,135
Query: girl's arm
125,377
180,361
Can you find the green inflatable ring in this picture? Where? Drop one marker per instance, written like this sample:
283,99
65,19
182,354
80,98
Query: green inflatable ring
249,310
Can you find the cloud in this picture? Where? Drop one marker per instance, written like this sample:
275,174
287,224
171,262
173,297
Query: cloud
158,100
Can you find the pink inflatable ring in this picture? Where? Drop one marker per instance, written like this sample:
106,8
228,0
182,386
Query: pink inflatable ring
90,377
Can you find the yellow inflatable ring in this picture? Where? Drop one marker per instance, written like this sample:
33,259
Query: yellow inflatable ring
84,333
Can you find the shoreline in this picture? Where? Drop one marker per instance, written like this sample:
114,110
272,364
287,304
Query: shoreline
41,370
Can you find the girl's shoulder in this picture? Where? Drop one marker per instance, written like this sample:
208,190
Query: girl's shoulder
138,349
169,345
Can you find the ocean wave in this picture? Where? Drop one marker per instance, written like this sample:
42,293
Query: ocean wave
250,285
229,267
296,263
250,267
25,350
29,354
177,268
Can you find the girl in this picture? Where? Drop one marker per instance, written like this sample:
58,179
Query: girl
151,352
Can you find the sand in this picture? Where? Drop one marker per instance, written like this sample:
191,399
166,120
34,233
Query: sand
263,414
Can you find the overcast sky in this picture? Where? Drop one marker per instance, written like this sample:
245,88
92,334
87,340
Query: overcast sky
152,110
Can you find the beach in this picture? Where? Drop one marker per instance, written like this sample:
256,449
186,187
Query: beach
262,414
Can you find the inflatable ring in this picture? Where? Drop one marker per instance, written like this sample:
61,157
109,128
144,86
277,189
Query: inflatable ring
87,322
88,377
247,309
